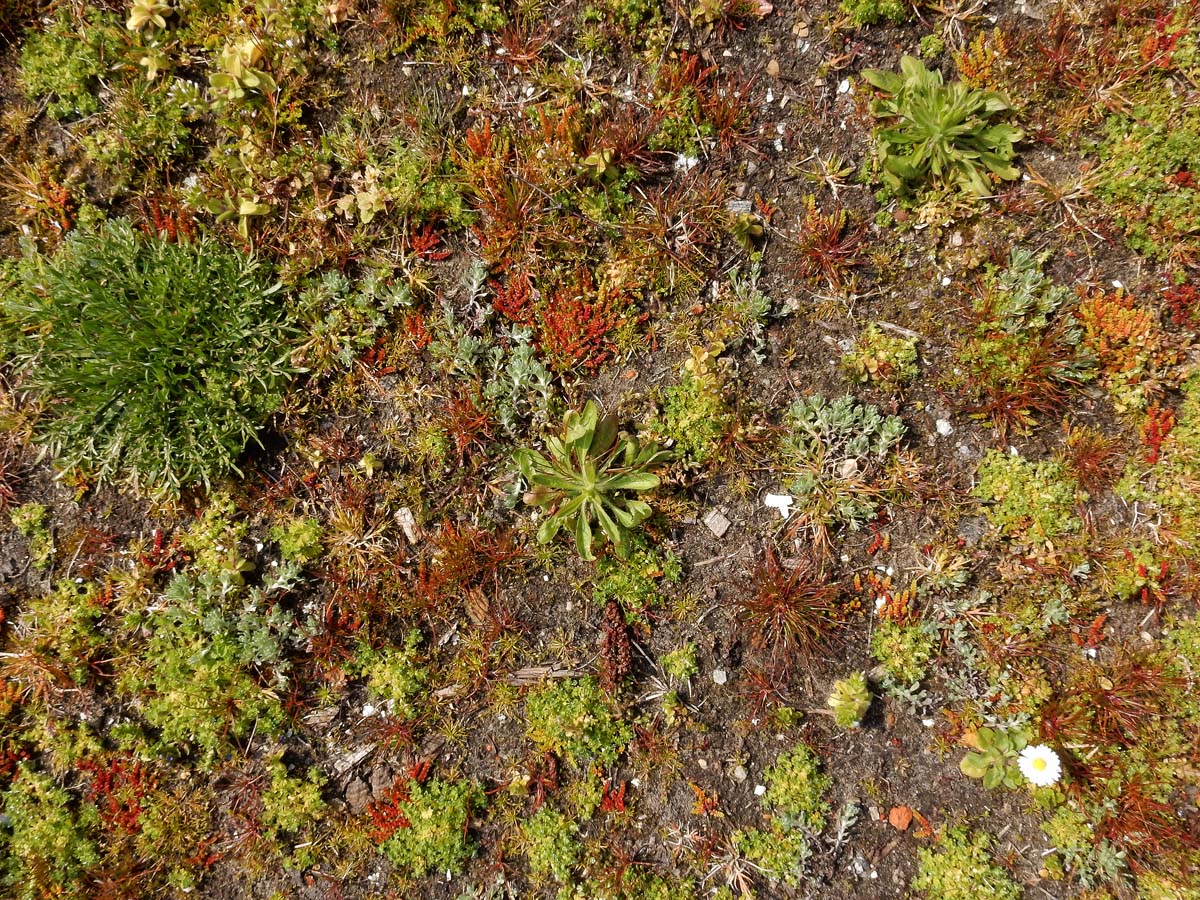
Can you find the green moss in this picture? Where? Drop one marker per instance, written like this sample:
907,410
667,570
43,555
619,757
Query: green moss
637,580
65,625
47,844
299,540
64,63
214,540
869,12
573,716
888,360
779,853
1142,153
695,414
850,699
212,646
1032,502
796,788
436,839
30,520
1170,485
960,868
680,664
551,846
904,650
396,675
291,808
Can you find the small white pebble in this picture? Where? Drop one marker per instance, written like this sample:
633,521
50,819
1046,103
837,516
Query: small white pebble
702,763
369,710
928,723
944,428
719,676
844,86
1118,285
945,281
759,790
739,774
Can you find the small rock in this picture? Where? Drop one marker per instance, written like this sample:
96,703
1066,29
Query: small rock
719,676
716,522
408,524
739,207
702,763
759,790
739,774
773,68
875,813
848,468
382,779
358,795
351,758
944,428
900,817
781,502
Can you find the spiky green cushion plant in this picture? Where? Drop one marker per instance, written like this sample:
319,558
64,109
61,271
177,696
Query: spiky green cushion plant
156,361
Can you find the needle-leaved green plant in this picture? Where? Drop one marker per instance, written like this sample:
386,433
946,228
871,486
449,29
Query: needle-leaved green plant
156,361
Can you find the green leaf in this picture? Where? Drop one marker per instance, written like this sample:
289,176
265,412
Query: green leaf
993,778
973,765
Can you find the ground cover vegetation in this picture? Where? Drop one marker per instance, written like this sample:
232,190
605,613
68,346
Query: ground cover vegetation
621,450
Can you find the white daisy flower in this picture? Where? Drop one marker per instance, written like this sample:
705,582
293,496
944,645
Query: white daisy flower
1040,765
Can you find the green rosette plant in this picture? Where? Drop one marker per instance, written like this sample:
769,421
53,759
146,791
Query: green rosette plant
588,475
940,132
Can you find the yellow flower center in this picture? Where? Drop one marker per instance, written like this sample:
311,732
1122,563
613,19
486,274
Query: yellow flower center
1039,763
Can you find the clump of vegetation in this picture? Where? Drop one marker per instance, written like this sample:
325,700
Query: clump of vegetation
960,868
695,412
637,580
795,798
587,477
994,757
156,361
904,650
299,540
49,841
779,852
1033,502
1149,157
30,520
433,835
65,63
791,612
573,717
396,674
887,360
850,699
551,845
291,807
796,788
940,132
216,654
870,12
1019,361
839,453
